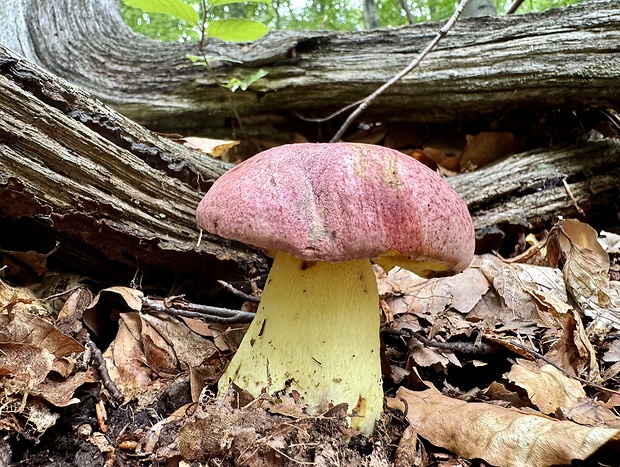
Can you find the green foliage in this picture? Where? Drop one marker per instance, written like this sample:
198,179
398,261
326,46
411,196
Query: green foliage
236,83
214,3
174,8
236,30
339,15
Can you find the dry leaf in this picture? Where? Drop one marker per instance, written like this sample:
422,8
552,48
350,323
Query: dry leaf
585,267
20,300
500,436
189,348
514,283
486,147
23,366
573,351
29,329
125,358
213,147
547,387
432,296
592,413
610,242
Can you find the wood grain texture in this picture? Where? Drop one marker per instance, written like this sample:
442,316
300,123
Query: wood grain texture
112,196
486,67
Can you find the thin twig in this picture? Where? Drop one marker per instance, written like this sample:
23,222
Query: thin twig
570,194
415,62
239,293
516,4
106,381
209,314
463,348
330,116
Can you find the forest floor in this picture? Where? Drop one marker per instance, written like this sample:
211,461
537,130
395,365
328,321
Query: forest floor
521,347
514,362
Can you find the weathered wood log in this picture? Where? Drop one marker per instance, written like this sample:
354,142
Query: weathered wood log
485,67
118,200
529,191
111,199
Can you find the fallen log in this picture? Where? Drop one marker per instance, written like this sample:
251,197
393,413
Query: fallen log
482,71
530,191
109,198
114,201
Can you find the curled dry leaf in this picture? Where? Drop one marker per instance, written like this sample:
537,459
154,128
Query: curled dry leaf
575,245
132,298
125,357
573,351
213,147
547,387
500,436
486,147
151,349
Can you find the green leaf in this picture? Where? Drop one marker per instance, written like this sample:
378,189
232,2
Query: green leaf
226,2
236,30
235,83
175,8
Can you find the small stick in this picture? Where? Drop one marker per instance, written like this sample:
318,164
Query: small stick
464,348
567,188
107,382
516,4
239,293
414,63
209,314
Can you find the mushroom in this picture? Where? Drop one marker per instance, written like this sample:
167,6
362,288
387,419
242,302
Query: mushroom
325,212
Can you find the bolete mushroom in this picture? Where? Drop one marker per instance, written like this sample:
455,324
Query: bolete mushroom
325,212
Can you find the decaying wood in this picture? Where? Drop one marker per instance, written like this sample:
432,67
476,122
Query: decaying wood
530,191
562,58
108,197
113,200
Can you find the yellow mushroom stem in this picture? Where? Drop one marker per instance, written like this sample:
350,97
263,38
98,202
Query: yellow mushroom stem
316,332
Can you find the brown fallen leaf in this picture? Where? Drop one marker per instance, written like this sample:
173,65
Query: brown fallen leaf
26,328
213,147
500,436
514,282
585,264
19,299
486,147
573,351
23,366
125,357
547,387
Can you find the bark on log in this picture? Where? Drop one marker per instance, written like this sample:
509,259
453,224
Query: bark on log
120,200
111,199
563,58
529,191
74,170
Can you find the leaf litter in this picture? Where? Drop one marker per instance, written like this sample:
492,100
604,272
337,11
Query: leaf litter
525,353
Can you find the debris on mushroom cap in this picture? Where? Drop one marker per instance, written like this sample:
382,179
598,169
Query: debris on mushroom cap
341,201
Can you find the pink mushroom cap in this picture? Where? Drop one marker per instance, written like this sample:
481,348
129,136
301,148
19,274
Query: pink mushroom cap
342,201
